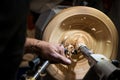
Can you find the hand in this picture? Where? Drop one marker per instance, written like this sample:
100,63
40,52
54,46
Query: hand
53,52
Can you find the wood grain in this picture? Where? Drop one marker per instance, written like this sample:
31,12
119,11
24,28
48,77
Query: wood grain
76,25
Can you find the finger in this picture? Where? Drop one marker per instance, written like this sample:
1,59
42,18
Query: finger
62,50
64,60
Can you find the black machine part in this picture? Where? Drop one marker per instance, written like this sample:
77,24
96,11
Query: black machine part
101,67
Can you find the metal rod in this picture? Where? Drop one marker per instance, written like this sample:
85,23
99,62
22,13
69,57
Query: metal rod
44,66
85,50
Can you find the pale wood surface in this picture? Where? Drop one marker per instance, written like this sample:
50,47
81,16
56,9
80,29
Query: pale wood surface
81,24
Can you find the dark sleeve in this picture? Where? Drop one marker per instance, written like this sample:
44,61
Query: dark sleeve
12,35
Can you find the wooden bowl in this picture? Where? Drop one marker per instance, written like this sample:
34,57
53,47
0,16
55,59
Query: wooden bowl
81,24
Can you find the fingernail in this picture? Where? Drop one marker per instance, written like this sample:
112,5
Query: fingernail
68,61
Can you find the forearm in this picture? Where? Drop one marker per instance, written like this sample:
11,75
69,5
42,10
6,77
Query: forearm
30,45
